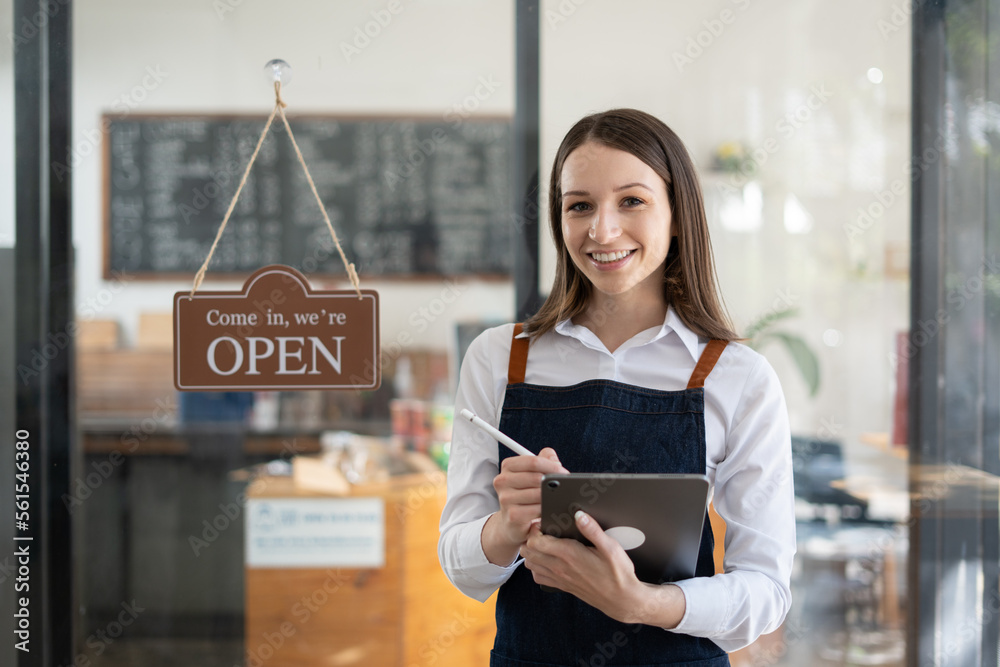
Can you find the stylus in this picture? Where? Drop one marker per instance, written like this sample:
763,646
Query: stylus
514,446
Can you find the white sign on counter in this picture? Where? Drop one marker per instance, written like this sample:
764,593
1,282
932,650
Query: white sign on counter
315,532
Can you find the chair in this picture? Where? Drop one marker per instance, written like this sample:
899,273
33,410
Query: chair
816,464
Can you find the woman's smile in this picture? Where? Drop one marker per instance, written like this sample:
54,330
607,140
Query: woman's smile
610,260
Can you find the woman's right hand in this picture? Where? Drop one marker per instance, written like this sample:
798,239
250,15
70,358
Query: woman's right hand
518,488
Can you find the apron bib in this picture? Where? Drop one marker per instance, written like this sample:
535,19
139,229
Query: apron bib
601,426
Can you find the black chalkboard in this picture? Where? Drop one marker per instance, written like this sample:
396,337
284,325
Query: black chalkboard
407,197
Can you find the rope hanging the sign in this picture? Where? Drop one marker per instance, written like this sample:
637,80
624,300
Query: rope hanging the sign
279,109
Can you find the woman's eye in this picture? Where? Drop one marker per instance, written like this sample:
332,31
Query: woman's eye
578,206
632,201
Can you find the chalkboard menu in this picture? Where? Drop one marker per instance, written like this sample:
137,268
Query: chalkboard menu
407,197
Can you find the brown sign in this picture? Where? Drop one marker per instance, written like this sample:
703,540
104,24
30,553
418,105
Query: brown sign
276,334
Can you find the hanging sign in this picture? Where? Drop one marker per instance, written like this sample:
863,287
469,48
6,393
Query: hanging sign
277,333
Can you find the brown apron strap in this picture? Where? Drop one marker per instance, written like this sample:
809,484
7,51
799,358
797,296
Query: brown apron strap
706,363
519,359
518,356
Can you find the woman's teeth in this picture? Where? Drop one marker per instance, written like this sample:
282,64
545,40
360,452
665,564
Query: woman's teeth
610,256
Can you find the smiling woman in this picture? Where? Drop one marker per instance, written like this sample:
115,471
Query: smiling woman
617,229
648,170
658,387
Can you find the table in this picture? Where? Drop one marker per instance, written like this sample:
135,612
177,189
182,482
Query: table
402,614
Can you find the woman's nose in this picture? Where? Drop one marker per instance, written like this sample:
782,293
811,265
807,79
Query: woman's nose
605,227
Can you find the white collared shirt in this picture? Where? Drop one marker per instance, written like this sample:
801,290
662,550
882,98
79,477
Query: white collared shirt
748,463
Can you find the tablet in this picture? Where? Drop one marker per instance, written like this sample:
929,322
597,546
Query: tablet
658,519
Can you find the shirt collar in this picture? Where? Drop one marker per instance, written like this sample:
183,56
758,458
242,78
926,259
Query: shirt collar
671,324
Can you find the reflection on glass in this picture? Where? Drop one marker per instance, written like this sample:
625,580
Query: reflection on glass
741,211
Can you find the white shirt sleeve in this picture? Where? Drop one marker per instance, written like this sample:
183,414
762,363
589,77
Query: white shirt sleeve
472,465
754,495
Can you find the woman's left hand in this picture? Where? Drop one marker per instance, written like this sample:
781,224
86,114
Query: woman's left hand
603,576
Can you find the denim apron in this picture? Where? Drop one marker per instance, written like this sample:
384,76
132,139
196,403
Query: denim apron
601,426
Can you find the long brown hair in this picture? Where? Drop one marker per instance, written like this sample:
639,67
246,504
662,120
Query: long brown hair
689,280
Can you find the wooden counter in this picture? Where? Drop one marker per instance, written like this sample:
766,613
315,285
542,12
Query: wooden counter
404,614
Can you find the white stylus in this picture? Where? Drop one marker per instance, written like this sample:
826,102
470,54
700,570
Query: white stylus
499,435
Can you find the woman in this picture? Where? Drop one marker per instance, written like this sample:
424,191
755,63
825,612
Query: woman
630,365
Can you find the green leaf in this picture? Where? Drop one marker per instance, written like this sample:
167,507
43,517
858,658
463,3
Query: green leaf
804,358
765,322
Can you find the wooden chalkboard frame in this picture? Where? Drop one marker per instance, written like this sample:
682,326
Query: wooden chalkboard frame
110,272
